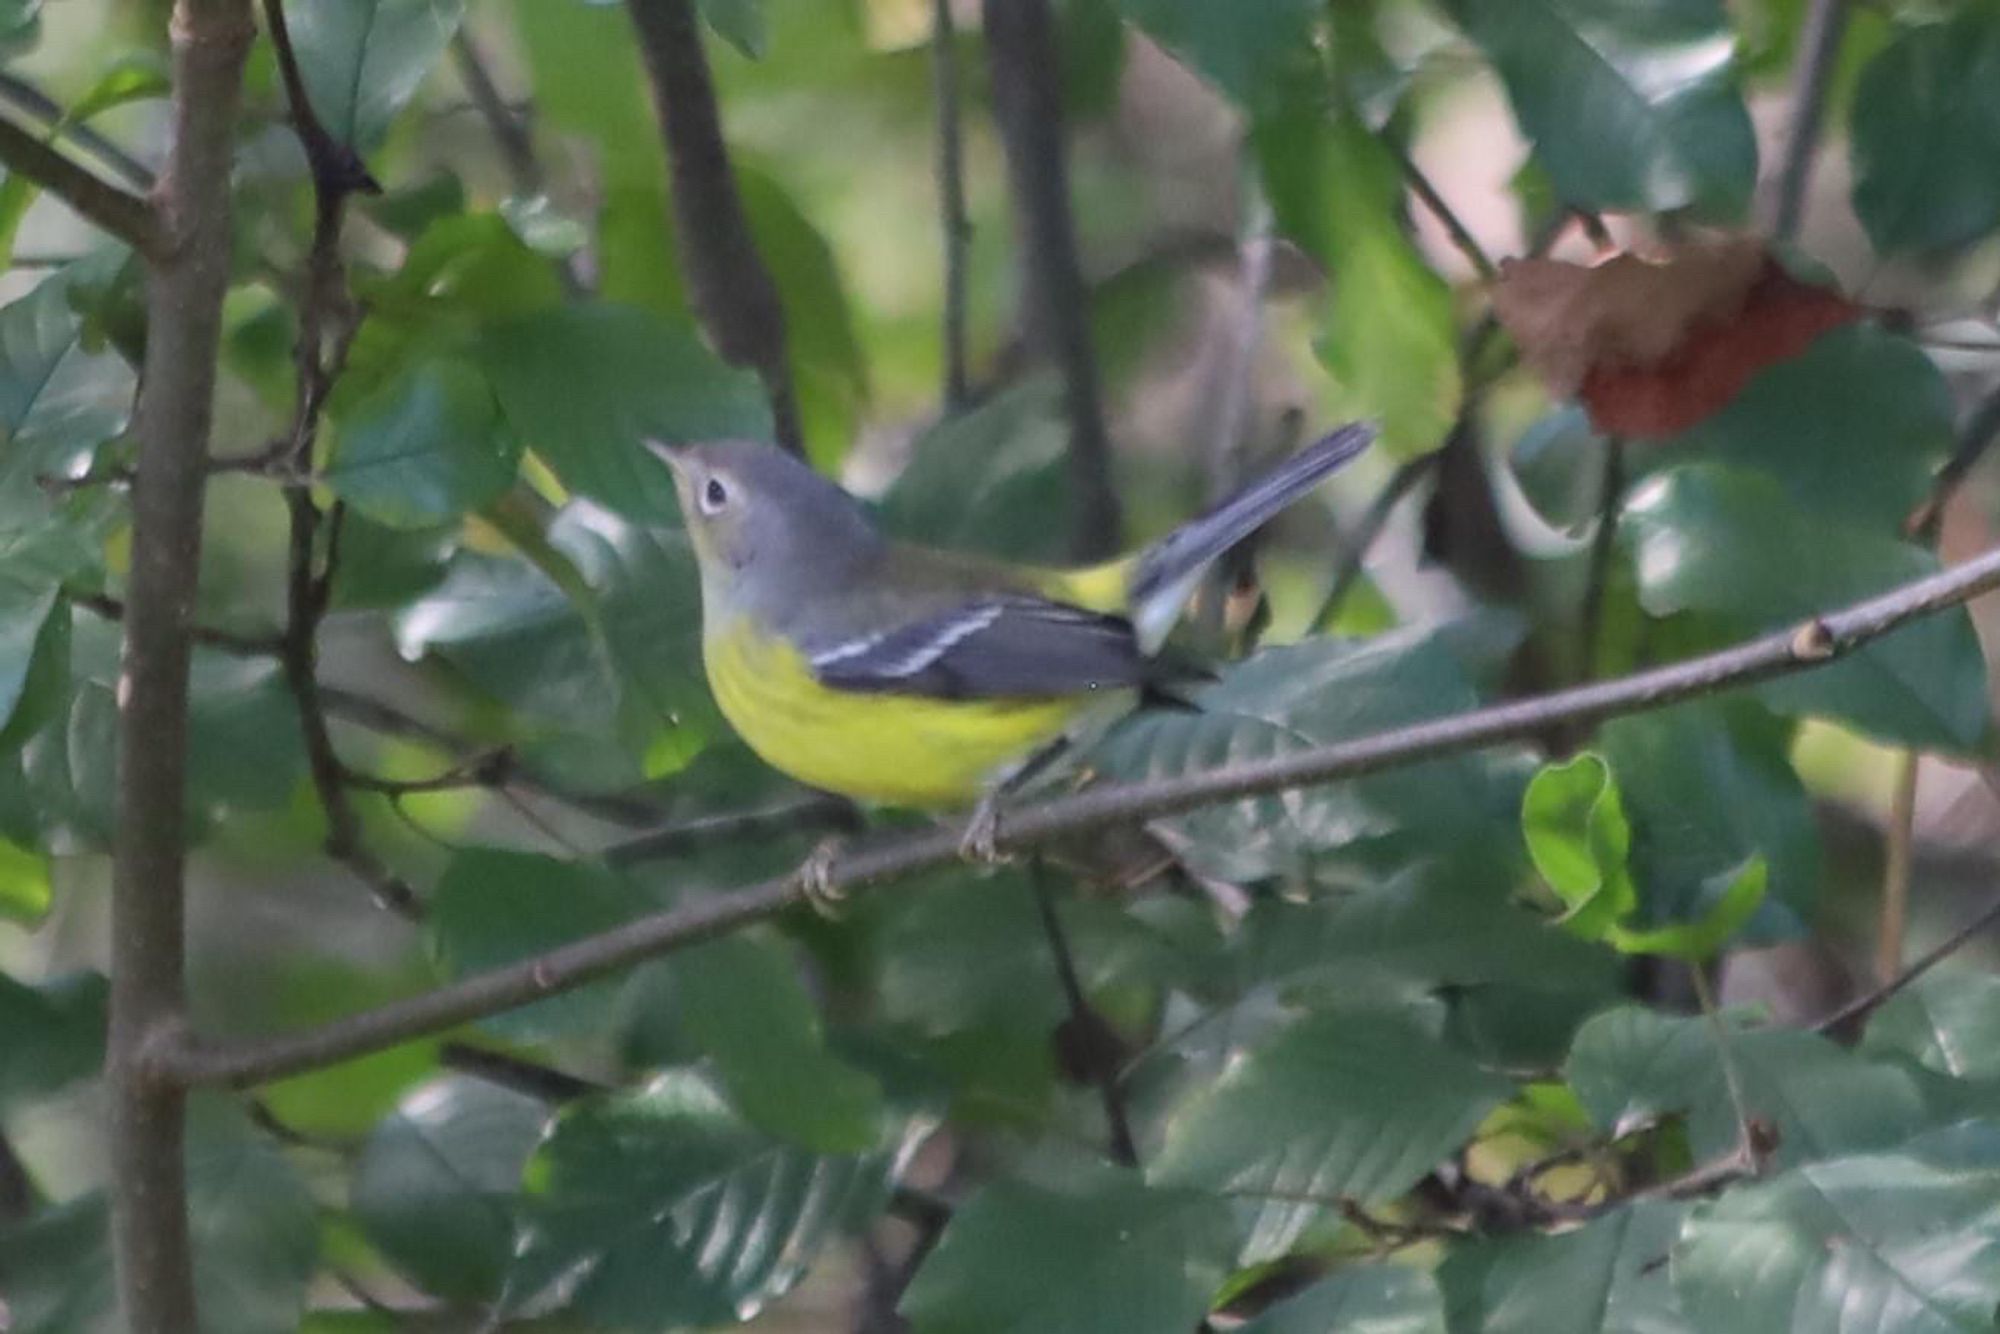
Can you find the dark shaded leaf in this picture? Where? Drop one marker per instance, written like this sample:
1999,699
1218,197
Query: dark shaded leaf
1607,1277
363,60
991,479
1629,106
425,449
1926,135
55,1033
1365,1299
435,1185
1106,1255
1257,52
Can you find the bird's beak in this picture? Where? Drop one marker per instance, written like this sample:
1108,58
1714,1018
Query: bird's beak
675,457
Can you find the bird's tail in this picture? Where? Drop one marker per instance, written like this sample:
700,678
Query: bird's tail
1165,574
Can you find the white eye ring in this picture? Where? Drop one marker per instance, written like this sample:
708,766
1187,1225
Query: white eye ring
714,495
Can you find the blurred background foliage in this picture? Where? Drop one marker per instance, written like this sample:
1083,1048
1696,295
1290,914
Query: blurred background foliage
1372,1082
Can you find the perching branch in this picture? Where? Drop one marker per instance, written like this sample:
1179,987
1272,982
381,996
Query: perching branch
187,280
953,221
1819,47
126,216
731,290
1796,649
1027,101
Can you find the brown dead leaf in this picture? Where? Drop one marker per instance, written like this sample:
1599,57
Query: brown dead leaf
1654,347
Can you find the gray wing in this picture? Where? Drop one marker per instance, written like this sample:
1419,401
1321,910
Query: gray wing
1008,646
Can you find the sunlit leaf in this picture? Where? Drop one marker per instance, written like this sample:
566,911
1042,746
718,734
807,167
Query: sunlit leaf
1902,1242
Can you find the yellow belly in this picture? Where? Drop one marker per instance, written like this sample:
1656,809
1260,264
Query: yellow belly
905,750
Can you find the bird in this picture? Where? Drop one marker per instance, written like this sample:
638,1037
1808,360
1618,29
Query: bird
919,677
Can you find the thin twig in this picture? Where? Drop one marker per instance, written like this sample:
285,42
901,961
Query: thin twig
490,769
728,284
50,112
1460,235
189,277
540,1082
1085,1024
816,811
1981,430
510,132
1603,543
1899,853
1815,642
124,215
1862,1006
1354,554
223,641
1027,100
954,222
1819,43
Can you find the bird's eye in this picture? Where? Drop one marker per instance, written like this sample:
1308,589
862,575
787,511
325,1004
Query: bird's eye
714,495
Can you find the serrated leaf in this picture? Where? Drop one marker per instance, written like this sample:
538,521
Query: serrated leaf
435,1186
660,1209
1355,1105
1630,1064
425,448
1107,1255
494,907
363,60
585,385
1364,1299
1607,1277
1628,106
1926,134
1903,1242
744,1006
1286,699
1729,544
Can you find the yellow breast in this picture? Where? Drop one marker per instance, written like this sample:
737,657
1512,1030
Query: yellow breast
904,750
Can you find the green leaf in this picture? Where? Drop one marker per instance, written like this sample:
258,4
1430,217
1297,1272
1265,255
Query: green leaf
494,907
244,751
1852,428
1102,1255
1925,135
1285,699
1575,826
1707,787
1606,1277
1256,51
1905,1242
1726,544
1729,911
363,60
435,1184
992,479
1629,106
20,25
740,23
1629,1065
55,1034
23,614
1354,1105
1390,339
425,448
25,891
586,385
255,1231
59,400
1364,1299
661,1210
744,1006
1947,1021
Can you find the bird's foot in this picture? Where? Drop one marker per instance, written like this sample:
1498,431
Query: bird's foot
822,895
980,841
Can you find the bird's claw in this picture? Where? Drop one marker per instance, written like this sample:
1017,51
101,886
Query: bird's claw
822,895
981,840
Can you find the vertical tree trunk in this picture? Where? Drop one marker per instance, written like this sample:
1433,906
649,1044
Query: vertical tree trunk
186,283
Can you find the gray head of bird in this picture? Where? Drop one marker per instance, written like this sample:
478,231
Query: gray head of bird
766,529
